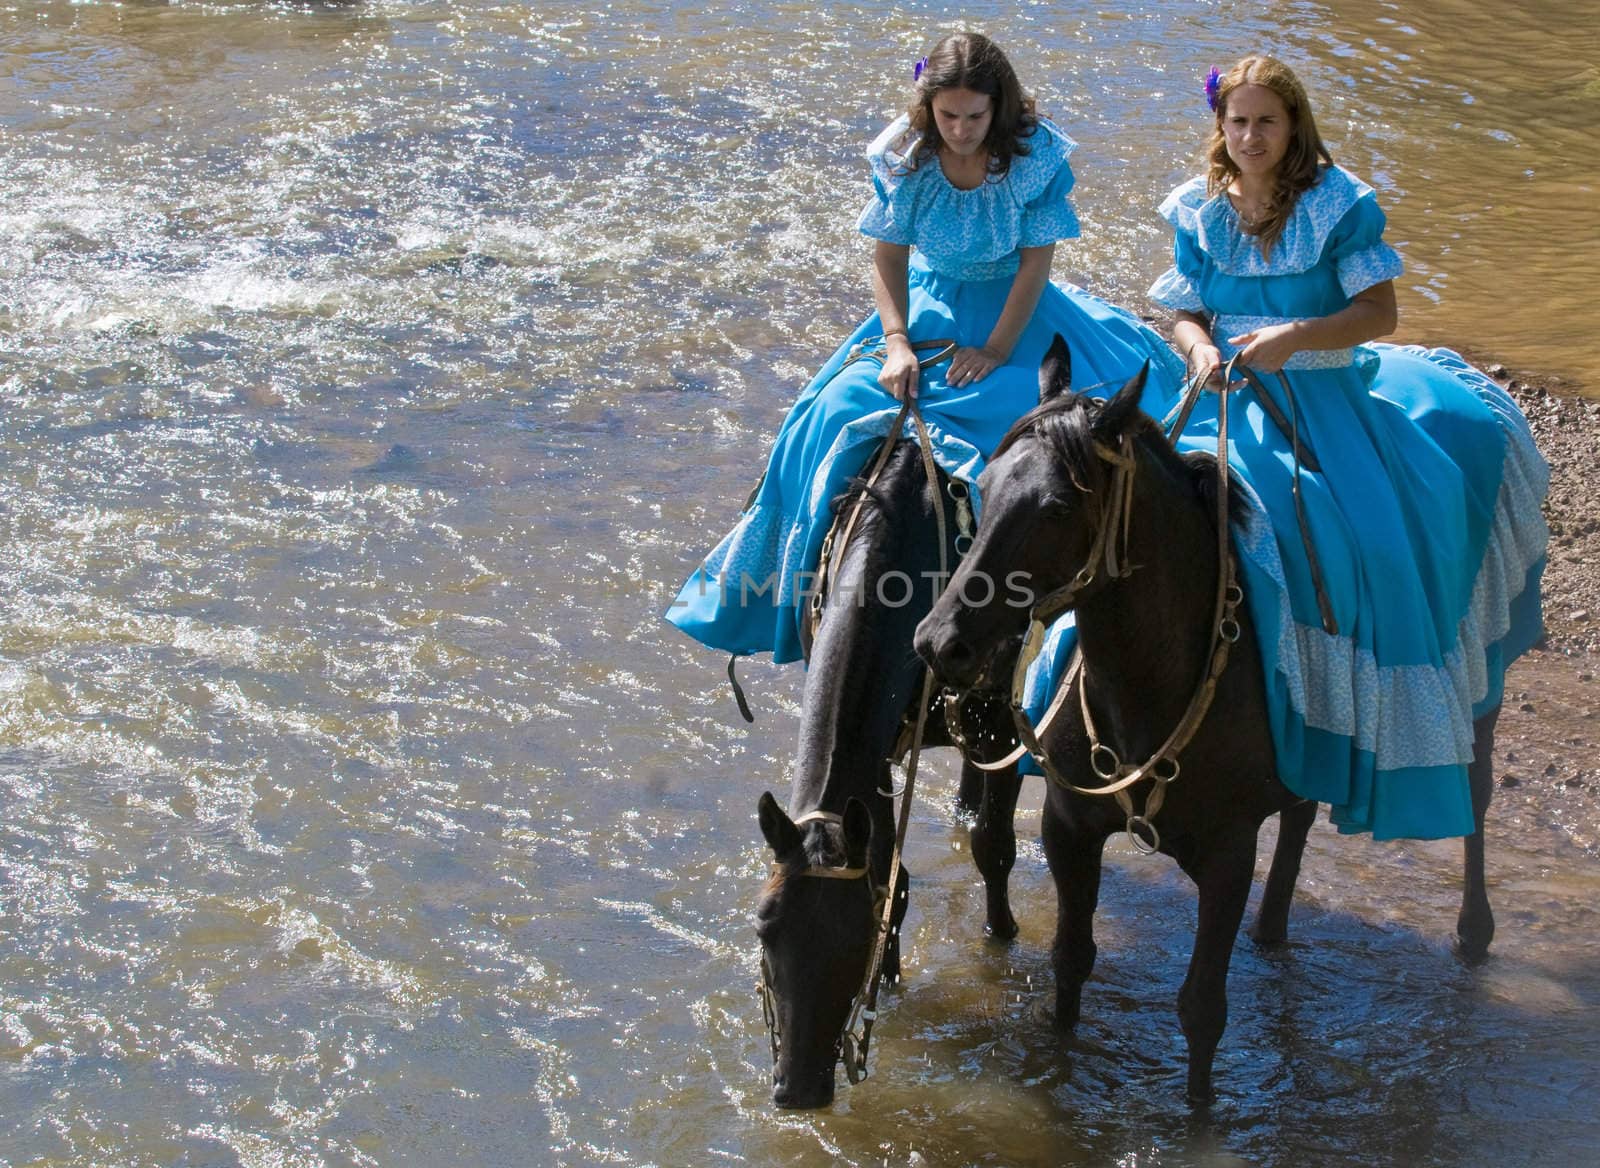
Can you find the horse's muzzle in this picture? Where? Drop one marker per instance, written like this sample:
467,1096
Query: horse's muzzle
803,1091
951,656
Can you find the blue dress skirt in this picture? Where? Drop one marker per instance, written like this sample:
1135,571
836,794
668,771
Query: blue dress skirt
745,597
1425,518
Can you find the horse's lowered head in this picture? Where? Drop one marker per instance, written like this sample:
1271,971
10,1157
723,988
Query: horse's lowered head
817,921
1044,493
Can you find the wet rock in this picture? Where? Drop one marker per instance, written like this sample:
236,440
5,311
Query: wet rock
399,459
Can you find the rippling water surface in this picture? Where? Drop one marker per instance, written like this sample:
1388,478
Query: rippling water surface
370,374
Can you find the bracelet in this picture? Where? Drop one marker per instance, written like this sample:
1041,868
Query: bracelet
896,333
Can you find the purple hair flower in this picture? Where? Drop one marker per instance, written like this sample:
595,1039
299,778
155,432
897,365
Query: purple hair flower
916,70
1213,83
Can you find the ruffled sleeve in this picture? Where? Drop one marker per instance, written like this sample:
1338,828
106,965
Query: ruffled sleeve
1178,287
1357,250
891,213
1044,183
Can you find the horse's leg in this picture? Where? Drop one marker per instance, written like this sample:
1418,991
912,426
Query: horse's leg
969,796
1074,856
994,844
1475,924
1222,874
1272,919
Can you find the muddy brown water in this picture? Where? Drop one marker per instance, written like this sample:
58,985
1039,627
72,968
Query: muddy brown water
369,375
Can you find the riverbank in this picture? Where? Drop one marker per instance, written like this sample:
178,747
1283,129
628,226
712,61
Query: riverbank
1548,743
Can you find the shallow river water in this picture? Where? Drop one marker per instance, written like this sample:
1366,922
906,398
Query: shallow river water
371,373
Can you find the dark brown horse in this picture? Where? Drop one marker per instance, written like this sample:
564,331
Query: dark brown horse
1147,639
817,916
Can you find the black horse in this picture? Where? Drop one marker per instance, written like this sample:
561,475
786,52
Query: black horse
862,692
1147,639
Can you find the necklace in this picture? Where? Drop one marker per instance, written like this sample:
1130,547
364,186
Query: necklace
1250,217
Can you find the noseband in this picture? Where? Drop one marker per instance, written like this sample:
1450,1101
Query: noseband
852,1044
1112,528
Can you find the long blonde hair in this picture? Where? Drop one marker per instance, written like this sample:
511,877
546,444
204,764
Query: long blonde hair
1303,161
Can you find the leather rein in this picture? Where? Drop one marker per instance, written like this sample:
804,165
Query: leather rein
1110,550
1112,530
856,1036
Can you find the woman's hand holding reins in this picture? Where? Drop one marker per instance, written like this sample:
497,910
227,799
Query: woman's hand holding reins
1267,349
900,372
1205,363
1369,315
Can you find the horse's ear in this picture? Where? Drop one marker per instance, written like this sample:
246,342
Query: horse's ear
1055,371
781,833
1124,407
857,833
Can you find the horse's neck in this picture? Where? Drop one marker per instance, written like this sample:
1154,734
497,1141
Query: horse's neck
1145,637
863,672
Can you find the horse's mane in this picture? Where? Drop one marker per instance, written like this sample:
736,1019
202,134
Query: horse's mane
1065,423
877,494
1070,424
818,849
904,461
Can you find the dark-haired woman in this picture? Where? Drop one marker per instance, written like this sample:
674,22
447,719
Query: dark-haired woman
1425,516
969,199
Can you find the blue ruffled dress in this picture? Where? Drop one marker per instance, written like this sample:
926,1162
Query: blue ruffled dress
1426,520
745,597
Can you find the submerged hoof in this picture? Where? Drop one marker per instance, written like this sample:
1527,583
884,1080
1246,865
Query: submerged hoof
1472,952
1200,1099
1064,1020
1002,929
1269,934
1473,934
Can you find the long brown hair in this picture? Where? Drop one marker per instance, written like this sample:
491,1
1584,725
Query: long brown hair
1303,161
970,60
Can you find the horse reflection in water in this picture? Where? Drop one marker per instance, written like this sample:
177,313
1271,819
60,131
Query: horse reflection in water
1147,640
818,916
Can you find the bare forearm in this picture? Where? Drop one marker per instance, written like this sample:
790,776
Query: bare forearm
1366,318
1026,288
1372,314
899,373
889,264
1191,329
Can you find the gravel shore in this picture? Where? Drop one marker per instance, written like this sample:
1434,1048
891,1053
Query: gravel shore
1547,752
